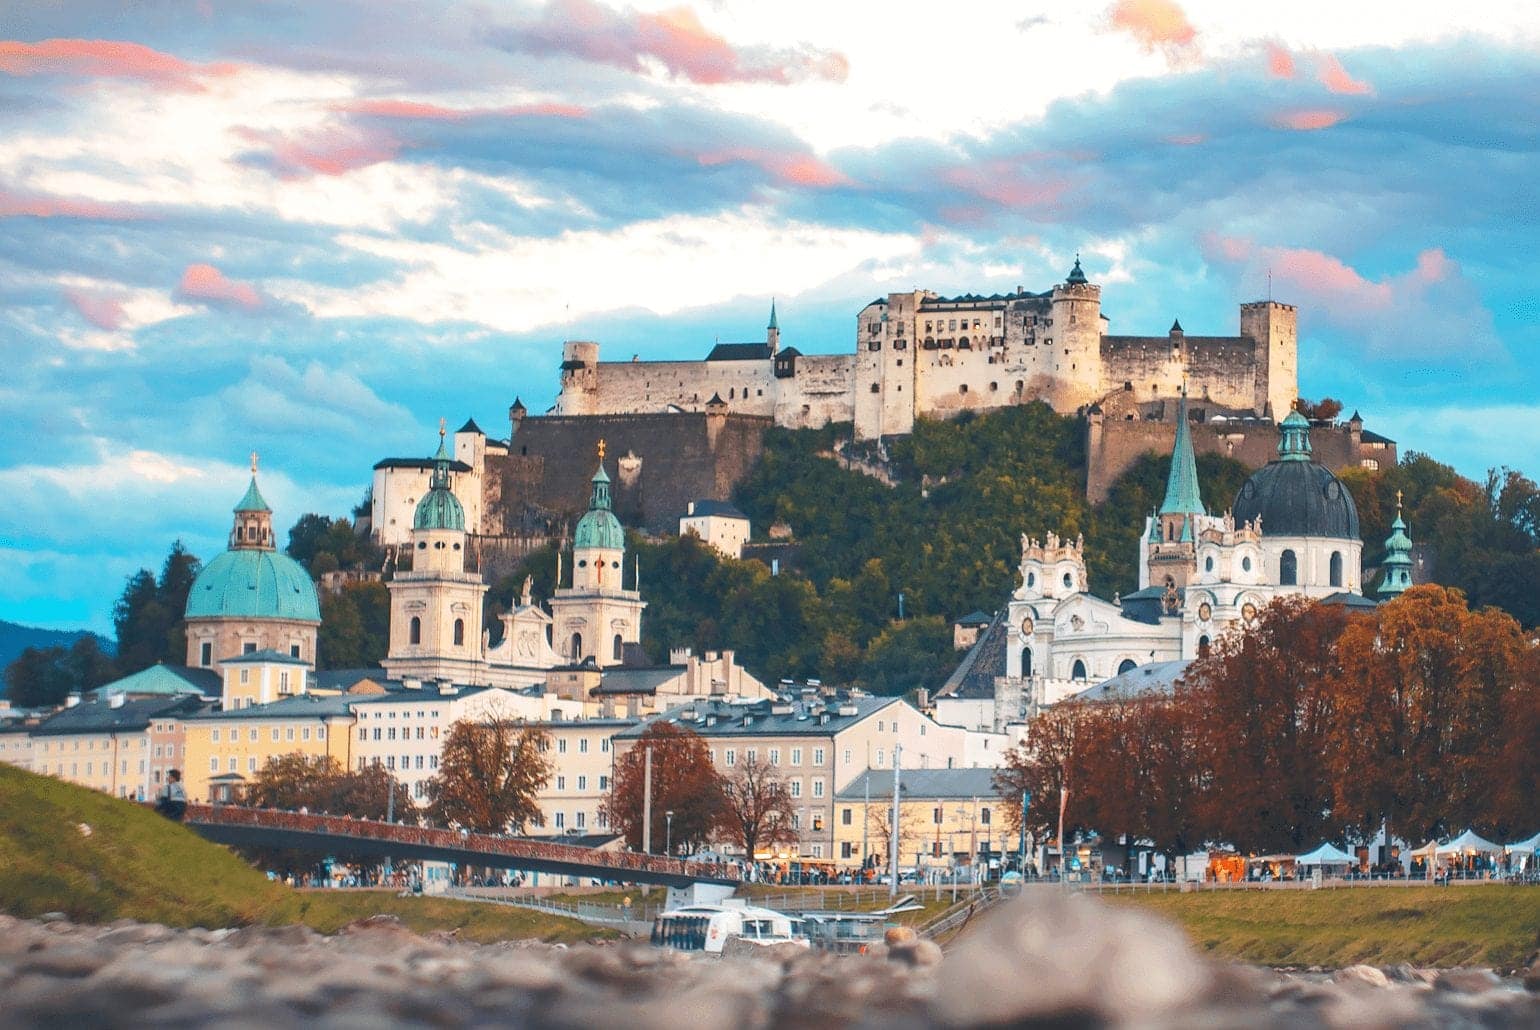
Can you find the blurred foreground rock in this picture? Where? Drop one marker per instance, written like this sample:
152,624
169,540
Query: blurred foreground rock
1044,961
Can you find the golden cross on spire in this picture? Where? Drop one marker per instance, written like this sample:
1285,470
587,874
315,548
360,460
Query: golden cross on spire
1398,502
441,424
253,462
601,451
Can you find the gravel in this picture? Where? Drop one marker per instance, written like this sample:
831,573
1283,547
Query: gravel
1060,962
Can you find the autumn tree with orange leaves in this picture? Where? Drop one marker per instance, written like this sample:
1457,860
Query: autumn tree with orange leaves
683,782
490,775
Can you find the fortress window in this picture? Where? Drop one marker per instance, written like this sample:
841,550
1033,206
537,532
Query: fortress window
963,388
1288,569
993,387
1336,568
1020,386
730,393
1128,387
874,388
761,393
900,362
414,631
899,344
874,345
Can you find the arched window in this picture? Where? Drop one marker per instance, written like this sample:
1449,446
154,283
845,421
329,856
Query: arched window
1203,647
459,632
1126,665
1288,569
1026,663
1208,564
414,632
1077,672
618,646
1336,568
577,647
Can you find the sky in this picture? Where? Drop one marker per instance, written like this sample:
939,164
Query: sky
314,229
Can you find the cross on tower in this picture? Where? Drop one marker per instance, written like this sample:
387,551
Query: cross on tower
441,425
601,452
1398,502
253,462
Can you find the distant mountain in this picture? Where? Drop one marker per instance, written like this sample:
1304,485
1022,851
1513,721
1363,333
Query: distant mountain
15,638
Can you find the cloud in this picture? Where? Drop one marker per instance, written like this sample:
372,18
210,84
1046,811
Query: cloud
39,205
1309,119
422,110
1336,78
1280,63
1411,314
674,38
1155,24
104,311
326,150
788,169
208,284
106,58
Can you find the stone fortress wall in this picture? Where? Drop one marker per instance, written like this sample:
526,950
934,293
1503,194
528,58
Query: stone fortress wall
922,354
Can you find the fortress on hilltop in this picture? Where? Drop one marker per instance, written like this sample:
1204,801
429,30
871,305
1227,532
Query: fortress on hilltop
920,354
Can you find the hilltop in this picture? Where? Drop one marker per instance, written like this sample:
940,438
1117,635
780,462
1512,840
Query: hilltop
95,858
16,638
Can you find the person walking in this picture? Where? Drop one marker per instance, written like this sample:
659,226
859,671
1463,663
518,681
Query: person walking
171,801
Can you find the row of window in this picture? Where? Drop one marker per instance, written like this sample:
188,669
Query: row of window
773,755
582,783
252,734
582,742
423,733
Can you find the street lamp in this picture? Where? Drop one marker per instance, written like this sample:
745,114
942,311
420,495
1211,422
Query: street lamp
668,818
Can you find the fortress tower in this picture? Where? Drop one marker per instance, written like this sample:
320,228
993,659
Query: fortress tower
1275,330
579,394
1074,342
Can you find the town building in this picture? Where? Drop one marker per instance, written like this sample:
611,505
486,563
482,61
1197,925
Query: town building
582,759
820,744
949,819
226,749
717,524
109,742
252,597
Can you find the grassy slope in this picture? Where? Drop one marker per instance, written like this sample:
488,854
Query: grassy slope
1485,925
137,865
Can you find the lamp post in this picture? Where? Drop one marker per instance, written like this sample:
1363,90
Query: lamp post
668,819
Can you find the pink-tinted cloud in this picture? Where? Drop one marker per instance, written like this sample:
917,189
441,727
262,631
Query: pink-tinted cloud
1005,183
787,169
101,310
107,59
1280,63
1309,120
37,205
1326,280
675,38
1190,139
208,284
422,111
1155,24
333,151
1336,78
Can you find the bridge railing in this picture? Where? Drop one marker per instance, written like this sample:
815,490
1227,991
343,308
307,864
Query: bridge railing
460,840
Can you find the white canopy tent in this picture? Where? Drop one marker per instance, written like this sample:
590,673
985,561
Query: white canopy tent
1470,843
1524,847
1326,854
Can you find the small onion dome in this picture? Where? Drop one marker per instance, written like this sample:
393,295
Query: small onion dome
599,528
439,507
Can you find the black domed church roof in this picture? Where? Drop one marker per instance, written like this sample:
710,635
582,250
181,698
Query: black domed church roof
1294,495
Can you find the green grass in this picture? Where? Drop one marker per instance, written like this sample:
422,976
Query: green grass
1486,925
136,865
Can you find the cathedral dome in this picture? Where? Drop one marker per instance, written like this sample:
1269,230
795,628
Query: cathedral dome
253,584
1295,496
439,509
599,529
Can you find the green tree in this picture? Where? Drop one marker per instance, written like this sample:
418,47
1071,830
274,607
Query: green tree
38,678
323,544
355,626
148,614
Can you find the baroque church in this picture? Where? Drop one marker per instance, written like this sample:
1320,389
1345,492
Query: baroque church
1292,529
436,606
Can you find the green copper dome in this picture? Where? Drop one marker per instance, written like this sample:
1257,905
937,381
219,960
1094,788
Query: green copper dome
253,584
599,528
439,507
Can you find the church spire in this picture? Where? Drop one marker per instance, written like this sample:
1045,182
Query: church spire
773,331
1182,493
253,529
599,498
1398,557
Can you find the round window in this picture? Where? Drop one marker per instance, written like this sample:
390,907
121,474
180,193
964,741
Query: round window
1248,611
1026,627
583,564
1246,564
1205,612
1031,579
1208,564
1068,582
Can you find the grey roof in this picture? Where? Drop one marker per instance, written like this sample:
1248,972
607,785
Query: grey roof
719,508
100,716
922,783
471,426
975,618
637,681
266,655
1154,678
739,352
975,675
1297,498
164,679
722,719
1370,436
1351,600
300,706
418,463
413,696
342,679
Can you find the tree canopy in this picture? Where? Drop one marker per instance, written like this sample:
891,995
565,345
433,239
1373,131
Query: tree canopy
148,614
683,782
490,775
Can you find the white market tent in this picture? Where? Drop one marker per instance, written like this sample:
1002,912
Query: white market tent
1326,854
1470,843
1524,847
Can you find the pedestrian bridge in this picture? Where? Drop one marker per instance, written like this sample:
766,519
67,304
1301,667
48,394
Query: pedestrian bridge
331,834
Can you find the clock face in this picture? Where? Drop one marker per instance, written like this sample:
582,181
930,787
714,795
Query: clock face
1026,627
1248,611
1204,611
